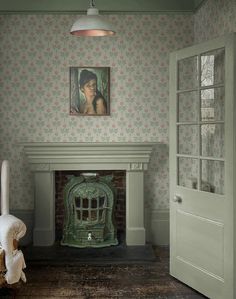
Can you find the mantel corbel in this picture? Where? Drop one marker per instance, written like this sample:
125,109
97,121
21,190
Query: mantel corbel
137,167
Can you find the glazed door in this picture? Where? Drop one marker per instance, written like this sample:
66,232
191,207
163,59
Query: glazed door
201,167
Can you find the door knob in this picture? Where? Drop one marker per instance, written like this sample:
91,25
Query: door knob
177,199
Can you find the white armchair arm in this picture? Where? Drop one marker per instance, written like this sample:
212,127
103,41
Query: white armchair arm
12,228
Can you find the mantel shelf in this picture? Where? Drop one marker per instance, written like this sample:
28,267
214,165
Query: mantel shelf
75,155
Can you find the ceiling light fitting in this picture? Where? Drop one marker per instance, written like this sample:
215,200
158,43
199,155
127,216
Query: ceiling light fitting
92,25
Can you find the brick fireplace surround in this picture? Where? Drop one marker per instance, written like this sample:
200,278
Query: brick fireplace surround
47,158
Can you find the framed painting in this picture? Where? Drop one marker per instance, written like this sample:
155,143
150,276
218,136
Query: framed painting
89,91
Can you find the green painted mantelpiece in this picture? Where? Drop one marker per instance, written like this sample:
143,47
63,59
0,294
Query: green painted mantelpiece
89,206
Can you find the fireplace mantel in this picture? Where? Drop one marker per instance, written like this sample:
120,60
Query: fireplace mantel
45,158
70,156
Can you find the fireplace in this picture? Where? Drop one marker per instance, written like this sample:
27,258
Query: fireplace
46,158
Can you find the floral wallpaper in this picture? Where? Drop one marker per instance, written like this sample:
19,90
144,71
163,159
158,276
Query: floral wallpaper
213,19
36,52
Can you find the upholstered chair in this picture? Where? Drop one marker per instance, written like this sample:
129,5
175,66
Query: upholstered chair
12,230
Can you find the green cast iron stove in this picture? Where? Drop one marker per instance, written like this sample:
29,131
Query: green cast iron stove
89,209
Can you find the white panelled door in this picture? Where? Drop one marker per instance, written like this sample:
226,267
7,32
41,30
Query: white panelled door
202,167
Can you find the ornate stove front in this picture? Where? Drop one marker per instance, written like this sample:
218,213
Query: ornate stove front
89,206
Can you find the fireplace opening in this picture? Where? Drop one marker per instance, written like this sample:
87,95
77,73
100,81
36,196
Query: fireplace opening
118,182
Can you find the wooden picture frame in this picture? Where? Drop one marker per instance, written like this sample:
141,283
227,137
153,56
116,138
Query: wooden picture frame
89,91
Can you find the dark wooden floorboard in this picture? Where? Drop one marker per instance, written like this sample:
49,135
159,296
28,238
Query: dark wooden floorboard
147,279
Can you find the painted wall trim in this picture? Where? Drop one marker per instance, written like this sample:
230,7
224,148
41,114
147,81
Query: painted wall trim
27,216
157,226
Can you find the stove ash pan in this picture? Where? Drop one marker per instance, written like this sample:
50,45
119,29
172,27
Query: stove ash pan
89,207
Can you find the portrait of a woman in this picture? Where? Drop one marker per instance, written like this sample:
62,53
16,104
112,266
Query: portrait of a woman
89,91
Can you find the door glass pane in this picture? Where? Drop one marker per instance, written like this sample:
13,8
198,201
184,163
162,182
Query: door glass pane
212,136
212,173
188,106
188,139
187,172
212,67
212,104
188,73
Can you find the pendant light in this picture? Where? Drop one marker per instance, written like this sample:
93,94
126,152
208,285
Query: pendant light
92,25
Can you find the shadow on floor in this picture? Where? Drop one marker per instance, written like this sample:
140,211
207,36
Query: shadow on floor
51,278
64,255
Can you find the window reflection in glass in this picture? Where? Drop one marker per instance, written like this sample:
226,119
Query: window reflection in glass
212,136
188,139
187,172
212,104
212,173
188,106
212,67
188,73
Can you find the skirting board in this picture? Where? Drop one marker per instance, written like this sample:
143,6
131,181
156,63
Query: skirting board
157,224
27,216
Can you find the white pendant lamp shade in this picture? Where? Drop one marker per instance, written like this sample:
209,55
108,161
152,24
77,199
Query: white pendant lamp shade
92,25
